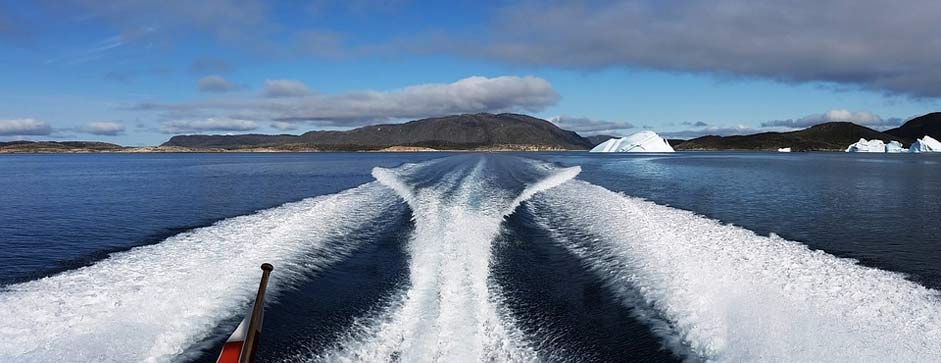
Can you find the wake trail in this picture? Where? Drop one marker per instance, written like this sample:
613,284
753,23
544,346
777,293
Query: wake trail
450,312
151,303
723,293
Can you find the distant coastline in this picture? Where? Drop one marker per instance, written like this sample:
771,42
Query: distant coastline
47,147
487,132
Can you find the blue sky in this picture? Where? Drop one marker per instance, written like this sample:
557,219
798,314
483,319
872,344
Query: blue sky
137,72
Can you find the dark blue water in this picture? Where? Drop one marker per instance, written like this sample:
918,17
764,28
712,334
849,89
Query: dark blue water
881,209
60,212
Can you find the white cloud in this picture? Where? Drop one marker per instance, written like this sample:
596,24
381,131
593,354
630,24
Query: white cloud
285,88
585,125
860,118
24,126
215,83
209,124
104,128
468,95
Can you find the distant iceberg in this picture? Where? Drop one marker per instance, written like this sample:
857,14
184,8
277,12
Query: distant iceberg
894,147
864,146
641,142
784,150
925,144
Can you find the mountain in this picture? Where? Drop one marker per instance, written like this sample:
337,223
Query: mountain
832,136
482,131
57,146
918,127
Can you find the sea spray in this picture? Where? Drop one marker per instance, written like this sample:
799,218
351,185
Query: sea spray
151,303
450,312
728,294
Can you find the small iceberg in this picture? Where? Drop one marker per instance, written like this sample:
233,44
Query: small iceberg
894,147
864,146
784,150
641,142
925,144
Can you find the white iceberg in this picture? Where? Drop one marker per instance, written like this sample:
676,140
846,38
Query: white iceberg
925,144
863,146
784,150
643,142
894,147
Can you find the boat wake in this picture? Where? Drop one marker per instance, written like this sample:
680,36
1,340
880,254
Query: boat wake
152,303
706,290
450,312
722,293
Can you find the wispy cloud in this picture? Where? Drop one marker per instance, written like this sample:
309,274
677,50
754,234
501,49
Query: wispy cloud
130,75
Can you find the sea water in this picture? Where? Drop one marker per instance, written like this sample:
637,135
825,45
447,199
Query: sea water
473,257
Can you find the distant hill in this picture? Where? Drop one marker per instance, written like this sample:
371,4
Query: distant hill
918,127
57,146
481,131
832,136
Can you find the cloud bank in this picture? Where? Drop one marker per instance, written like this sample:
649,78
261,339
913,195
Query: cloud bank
468,95
205,125
24,127
104,128
860,118
878,45
588,126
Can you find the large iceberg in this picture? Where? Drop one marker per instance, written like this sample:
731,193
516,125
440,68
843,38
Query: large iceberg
863,146
926,144
894,147
641,142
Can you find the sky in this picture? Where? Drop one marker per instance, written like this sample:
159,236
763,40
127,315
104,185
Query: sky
137,72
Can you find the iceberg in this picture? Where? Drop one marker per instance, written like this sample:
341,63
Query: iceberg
894,147
643,142
784,150
863,146
925,144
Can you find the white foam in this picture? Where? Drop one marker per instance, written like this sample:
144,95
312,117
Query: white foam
449,313
150,303
731,295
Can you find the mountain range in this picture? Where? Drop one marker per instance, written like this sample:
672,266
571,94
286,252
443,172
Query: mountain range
830,136
929,124
484,131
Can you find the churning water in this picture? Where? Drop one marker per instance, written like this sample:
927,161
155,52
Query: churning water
469,257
